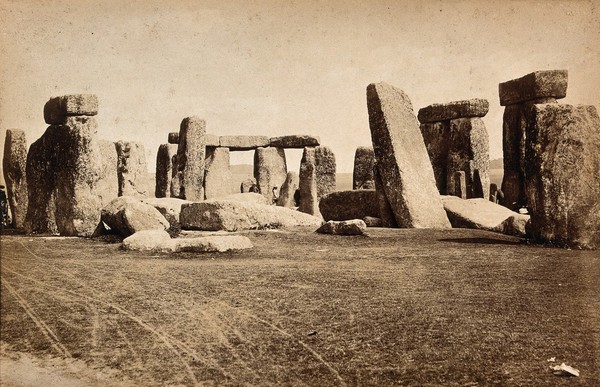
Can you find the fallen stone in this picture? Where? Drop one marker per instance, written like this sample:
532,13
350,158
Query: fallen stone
402,159
190,159
231,215
170,208
362,174
287,193
164,170
127,215
217,173
57,109
538,84
248,197
345,227
270,170
149,240
243,142
371,221
14,165
476,107
173,138
460,185
352,204
132,169
479,213
561,169
294,141
160,241
436,136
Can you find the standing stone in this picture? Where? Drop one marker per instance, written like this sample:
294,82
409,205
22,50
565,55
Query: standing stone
362,175
217,173
288,190
107,186
191,151
173,138
325,170
164,170
270,170
561,168
460,185
386,214
131,169
402,159
14,164
436,136
309,203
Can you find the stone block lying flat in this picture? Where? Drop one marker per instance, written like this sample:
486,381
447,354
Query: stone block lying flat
345,227
243,142
160,241
128,215
294,141
536,85
233,216
346,205
58,108
476,107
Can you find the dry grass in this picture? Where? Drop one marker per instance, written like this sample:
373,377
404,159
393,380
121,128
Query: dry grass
407,307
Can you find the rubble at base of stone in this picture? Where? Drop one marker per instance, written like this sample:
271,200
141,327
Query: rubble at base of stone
344,227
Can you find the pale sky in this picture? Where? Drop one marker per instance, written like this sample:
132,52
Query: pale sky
281,67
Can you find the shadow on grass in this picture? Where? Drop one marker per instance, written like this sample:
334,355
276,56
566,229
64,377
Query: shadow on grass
485,241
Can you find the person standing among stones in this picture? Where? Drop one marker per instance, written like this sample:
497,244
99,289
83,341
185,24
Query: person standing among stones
275,194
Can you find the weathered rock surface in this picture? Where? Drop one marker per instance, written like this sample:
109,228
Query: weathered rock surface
170,208
460,185
159,241
57,109
128,215
164,170
14,165
352,204
436,136
538,84
294,141
402,159
362,174
212,140
190,159
475,107
346,227
325,170
107,186
309,203
243,142
132,169
478,214
248,185
561,168
217,173
248,197
518,225
371,221
232,216
173,138
270,170
287,192
386,214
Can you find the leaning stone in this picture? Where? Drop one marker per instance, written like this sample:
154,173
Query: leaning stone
352,204
402,159
190,159
362,174
128,215
164,169
270,170
149,240
475,107
294,141
231,215
173,138
436,136
213,244
132,170
346,227
480,214
57,109
561,169
371,221
217,173
539,84
14,164
309,203
243,142
288,190
170,208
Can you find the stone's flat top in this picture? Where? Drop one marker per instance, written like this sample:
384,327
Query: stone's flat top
536,85
476,107
294,141
58,108
243,142
174,138
160,241
212,140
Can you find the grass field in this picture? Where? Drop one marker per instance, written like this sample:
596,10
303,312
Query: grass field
400,307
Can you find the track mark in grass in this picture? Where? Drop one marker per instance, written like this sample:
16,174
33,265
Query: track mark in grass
46,331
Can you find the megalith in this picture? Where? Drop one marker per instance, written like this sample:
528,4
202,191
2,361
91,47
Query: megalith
561,168
518,96
362,174
164,169
173,138
189,175
294,141
287,193
309,202
325,169
217,173
132,169
402,159
14,163
270,170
